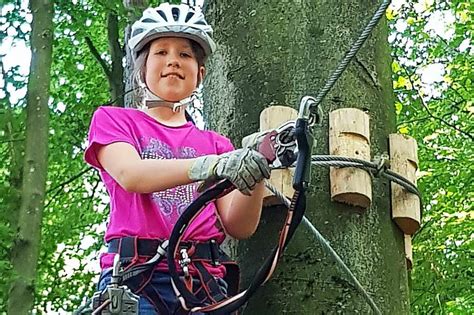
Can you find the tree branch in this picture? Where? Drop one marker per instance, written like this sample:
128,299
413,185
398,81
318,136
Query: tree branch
91,198
53,197
443,120
13,140
70,180
429,111
413,120
97,56
423,293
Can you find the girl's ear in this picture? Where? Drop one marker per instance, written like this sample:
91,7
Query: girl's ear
201,74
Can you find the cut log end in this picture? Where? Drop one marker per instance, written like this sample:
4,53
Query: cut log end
407,224
353,199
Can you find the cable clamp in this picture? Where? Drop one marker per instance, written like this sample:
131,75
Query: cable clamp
383,163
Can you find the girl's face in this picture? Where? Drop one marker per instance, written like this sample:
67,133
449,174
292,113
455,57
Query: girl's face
172,70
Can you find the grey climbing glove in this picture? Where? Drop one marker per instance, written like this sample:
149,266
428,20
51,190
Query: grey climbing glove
254,140
243,167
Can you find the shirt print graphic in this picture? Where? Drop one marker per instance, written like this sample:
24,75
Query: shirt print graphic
171,202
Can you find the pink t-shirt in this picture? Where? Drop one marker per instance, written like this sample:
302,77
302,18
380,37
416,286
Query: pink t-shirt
153,215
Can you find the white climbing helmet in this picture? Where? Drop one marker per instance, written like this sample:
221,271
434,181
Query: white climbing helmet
175,20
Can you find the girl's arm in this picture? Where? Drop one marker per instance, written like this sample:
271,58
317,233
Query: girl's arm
239,213
124,164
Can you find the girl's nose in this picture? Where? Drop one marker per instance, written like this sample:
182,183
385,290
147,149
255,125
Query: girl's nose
173,62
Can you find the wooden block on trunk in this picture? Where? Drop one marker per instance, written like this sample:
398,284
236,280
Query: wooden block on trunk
404,161
349,136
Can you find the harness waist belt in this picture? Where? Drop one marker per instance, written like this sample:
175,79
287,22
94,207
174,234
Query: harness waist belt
129,247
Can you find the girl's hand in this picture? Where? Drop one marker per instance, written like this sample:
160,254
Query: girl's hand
243,167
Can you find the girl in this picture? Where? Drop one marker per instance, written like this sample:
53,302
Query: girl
154,162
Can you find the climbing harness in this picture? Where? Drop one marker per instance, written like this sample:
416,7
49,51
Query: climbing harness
289,145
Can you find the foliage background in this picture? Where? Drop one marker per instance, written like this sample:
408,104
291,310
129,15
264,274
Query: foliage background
438,112
435,109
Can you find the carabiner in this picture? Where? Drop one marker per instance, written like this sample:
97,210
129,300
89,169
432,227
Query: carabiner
304,140
310,110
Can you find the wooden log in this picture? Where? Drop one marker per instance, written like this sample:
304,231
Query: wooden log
270,118
404,161
408,252
349,136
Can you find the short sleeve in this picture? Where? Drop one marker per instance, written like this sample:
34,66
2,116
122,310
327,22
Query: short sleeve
224,145
106,128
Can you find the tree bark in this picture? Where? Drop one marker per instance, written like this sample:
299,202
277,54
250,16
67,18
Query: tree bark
275,52
116,83
26,248
134,8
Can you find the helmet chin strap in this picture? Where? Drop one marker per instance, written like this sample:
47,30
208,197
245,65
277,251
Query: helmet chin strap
152,100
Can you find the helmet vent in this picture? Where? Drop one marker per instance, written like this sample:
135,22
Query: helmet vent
175,12
189,16
137,31
162,14
148,21
200,22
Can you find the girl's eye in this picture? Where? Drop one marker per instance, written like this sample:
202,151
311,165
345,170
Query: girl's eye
160,52
185,54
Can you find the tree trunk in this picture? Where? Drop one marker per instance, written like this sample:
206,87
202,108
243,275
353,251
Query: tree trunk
134,8
26,247
116,74
275,52
15,153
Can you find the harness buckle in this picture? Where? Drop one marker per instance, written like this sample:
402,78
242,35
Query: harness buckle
115,299
185,261
214,249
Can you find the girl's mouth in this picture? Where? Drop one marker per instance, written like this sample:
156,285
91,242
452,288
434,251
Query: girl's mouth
173,75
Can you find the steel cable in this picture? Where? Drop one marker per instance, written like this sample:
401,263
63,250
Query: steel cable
328,250
352,52
374,169
371,167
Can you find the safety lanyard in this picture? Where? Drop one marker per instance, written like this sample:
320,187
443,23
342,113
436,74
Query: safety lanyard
307,117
